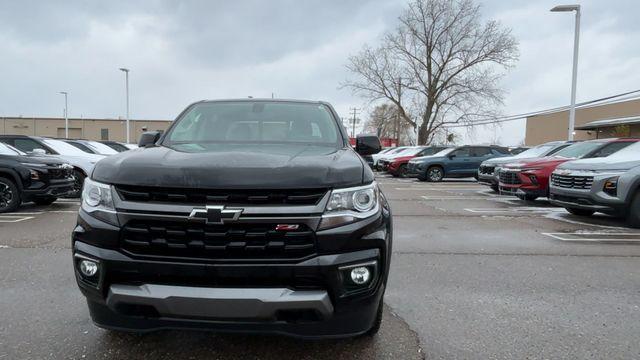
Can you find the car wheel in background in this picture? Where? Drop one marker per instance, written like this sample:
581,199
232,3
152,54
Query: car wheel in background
435,174
633,213
495,188
45,200
78,182
527,197
580,212
9,195
402,171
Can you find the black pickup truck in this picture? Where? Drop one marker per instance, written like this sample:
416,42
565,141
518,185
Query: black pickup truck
37,179
245,216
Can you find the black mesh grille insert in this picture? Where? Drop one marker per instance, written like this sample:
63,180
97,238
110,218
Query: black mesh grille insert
228,197
196,240
509,177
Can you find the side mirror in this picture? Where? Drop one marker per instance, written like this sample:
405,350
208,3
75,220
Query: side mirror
149,138
368,145
38,152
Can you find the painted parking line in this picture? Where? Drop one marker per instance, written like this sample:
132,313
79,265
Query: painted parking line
13,218
515,210
453,197
583,236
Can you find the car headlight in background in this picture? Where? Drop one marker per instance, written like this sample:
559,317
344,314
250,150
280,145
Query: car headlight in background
350,204
97,200
611,186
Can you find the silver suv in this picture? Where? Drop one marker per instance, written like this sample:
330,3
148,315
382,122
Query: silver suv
608,185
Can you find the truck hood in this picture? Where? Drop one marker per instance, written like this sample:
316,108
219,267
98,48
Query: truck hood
235,167
35,159
601,164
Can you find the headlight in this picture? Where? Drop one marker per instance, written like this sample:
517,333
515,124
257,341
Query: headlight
611,186
350,204
97,200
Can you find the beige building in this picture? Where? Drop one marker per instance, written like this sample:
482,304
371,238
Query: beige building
619,119
92,129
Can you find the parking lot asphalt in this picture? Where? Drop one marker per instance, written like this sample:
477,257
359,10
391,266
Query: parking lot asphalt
474,275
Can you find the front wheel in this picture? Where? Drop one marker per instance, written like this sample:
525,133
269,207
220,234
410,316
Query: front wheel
9,195
78,182
527,197
402,171
435,174
377,322
633,213
580,212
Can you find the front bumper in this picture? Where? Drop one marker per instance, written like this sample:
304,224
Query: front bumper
57,188
587,199
307,298
487,179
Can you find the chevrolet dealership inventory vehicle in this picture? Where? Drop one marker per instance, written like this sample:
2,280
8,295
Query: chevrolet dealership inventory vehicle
608,185
398,165
81,161
462,161
489,169
528,179
246,215
31,178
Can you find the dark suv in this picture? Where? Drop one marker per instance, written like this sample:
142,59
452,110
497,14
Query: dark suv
31,179
462,161
246,215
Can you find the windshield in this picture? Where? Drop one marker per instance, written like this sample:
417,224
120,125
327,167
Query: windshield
256,122
631,152
101,148
535,152
63,148
444,152
9,150
579,150
413,151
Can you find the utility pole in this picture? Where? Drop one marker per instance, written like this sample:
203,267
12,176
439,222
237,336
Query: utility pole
66,115
126,79
398,112
354,113
574,73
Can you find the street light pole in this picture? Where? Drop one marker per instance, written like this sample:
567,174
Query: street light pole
126,77
574,75
66,115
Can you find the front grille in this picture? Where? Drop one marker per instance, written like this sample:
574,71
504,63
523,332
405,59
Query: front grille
487,170
509,177
60,173
572,182
228,242
228,197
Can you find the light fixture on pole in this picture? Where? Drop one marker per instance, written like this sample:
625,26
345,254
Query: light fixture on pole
66,115
126,79
574,75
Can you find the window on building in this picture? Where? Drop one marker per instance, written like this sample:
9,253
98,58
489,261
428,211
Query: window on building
104,134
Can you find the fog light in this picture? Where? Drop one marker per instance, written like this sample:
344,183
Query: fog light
360,275
88,268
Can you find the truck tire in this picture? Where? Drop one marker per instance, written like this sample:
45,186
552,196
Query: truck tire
10,197
633,213
377,322
580,212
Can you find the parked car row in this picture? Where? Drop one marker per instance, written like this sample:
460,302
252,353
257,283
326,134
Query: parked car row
39,169
583,177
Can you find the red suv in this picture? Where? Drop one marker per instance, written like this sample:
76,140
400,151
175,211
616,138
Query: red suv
398,166
529,179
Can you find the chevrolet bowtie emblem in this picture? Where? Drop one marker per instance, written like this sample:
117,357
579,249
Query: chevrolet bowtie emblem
215,214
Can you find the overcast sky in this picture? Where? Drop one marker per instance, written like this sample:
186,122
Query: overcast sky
183,51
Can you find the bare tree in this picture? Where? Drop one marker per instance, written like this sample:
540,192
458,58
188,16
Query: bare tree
440,66
385,121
